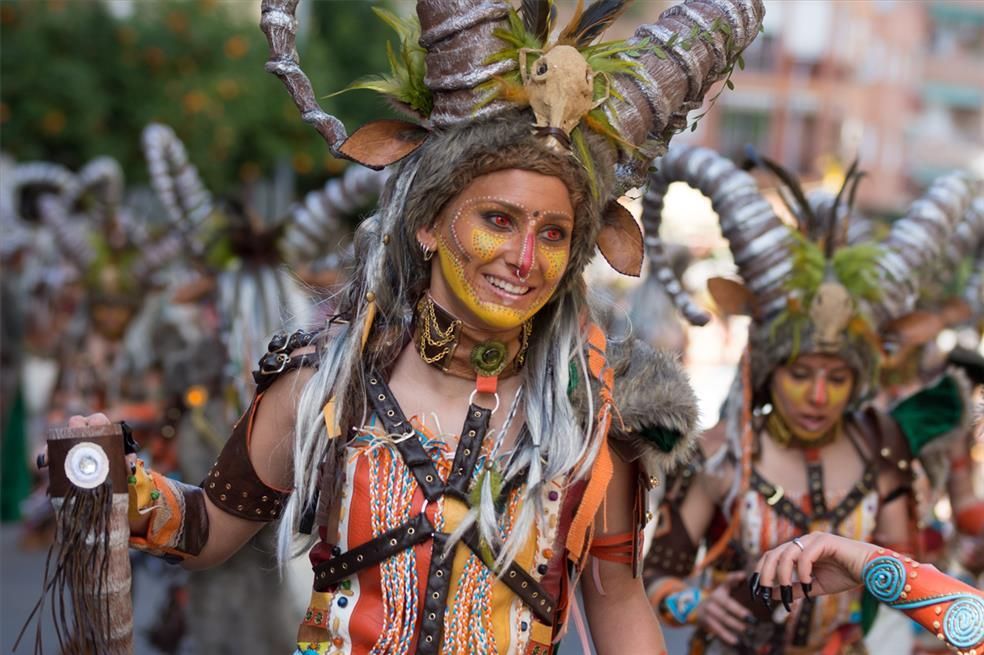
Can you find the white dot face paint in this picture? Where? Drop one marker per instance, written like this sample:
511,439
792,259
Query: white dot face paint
503,247
87,465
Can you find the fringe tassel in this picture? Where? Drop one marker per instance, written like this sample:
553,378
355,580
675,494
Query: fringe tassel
89,562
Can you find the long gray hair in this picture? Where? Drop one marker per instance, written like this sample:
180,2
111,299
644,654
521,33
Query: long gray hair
390,270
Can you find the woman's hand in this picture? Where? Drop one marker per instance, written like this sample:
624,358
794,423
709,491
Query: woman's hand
723,616
820,562
90,421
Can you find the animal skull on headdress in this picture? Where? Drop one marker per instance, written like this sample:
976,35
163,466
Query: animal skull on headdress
831,311
560,89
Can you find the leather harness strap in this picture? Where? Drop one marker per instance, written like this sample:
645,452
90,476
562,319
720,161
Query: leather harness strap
784,507
419,529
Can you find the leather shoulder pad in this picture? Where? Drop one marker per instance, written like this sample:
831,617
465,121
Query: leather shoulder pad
279,359
882,437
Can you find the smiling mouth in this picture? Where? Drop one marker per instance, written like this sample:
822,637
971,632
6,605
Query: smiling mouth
812,422
505,288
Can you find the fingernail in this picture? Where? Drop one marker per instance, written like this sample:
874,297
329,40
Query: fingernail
751,619
753,583
765,593
807,588
786,592
42,461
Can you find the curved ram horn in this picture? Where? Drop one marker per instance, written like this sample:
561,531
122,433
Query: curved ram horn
17,235
968,241
43,178
759,241
675,71
280,27
458,36
70,236
918,238
314,225
103,179
175,180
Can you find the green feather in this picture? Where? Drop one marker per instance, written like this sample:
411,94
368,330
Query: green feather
405,82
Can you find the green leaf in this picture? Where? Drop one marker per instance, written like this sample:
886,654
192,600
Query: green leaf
741,62
730,84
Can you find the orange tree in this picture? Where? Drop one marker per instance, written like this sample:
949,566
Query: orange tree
79,81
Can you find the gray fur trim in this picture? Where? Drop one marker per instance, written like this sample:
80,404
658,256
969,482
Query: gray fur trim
651,390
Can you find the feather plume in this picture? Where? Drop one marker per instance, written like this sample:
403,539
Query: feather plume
405,83
538,16
831,241
790,185
597,18
568,35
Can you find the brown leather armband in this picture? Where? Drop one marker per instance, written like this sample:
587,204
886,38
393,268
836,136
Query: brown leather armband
672,553
232,483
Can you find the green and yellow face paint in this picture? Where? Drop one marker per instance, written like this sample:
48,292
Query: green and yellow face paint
811,396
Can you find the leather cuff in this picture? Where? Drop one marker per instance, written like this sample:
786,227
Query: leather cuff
232,483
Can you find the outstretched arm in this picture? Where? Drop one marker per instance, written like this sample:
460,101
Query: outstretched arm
827,564
181,520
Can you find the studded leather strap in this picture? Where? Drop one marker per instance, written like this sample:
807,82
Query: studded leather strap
371,553
232,483
436,601
776,497
814,482
420,529
412,452
521,583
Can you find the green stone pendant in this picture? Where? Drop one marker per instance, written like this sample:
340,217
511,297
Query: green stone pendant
489,358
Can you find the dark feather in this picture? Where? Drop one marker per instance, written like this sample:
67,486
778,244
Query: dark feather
538,17
850,205
568,34
791,186
830,243
597,18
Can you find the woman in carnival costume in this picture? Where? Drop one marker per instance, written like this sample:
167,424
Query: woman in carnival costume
797,450
467,307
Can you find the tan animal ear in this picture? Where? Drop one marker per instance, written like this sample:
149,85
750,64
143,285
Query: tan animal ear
620,240
383,142
955,311
194,290
731,296
913,329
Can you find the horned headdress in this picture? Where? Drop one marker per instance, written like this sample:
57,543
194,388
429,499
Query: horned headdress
489,88
463,64
812,287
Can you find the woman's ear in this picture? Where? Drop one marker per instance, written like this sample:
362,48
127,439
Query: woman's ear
426,237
